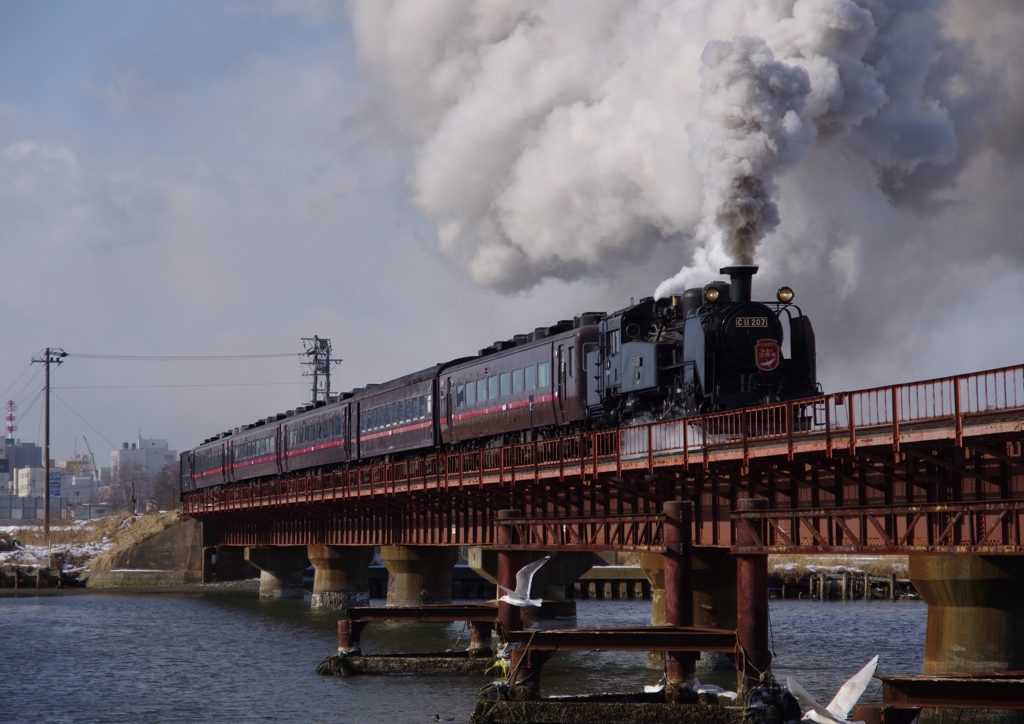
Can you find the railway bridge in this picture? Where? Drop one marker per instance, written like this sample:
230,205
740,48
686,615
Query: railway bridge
930,469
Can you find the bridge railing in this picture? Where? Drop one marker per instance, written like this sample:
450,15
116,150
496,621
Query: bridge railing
836,419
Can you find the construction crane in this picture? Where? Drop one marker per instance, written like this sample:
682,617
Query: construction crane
95,470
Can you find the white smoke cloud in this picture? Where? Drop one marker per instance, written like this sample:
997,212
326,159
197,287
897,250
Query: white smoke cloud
559,143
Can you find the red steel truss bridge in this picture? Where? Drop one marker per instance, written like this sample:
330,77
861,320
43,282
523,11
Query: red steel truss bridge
933,466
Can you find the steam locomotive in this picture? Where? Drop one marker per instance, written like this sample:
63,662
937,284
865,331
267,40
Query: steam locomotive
709,349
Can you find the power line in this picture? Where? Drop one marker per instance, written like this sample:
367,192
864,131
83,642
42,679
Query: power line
182,358
16,380
150,387
112,445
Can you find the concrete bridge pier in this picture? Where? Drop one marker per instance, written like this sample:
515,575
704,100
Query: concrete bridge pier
419,574
341,578
280,570
975,612
551,584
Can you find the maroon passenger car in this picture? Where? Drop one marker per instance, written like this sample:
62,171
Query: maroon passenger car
316,438
537,383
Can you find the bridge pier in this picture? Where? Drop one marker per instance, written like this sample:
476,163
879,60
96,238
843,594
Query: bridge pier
975,612
550,584
679,665
714,599
419,574
752,597
341,578
280,570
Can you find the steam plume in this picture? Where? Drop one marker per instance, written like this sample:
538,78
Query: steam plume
559,143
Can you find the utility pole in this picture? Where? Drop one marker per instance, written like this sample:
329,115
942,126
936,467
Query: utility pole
55,356
319,350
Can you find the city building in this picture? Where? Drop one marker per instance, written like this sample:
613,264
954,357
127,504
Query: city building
18,455
140,462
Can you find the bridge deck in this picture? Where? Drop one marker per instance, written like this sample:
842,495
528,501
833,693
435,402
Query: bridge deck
929,466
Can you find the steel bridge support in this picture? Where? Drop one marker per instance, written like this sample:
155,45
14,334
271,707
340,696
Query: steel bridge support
752,597
679,665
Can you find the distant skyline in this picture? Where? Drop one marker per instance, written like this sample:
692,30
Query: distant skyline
224,178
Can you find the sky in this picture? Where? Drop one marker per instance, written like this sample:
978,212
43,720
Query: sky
417,180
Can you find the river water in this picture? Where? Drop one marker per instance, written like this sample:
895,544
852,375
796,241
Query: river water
201,657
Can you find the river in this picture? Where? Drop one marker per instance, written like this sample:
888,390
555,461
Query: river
166,658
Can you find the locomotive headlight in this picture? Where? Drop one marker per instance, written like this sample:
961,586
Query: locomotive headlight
711,294
785,295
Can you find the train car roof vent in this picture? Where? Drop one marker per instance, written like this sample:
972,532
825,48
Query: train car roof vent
280,416
486,351
589,318
319,403
272,418
521,339
258,423
539,333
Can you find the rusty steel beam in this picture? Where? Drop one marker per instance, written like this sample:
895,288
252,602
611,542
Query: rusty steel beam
438,612
636,638
998,691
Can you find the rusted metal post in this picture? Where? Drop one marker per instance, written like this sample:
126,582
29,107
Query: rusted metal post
526,664
751,595
480,638
679,666
349,632
508,567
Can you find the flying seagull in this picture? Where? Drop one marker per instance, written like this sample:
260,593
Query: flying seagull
524,579
839,708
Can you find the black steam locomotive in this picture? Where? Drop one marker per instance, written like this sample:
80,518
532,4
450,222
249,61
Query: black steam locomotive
708,349
705,350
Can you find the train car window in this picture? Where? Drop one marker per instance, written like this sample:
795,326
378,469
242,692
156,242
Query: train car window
492,387
481,390
543,375
471,394
460,395
505,382
531,377
408,410
517,381
571,350
423,407
430,407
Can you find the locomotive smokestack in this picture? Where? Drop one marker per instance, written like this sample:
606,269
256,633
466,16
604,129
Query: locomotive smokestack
739,281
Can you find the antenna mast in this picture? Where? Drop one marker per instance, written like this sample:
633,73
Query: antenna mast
320,362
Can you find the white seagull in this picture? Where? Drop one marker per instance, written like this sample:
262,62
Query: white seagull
839,708
524,579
